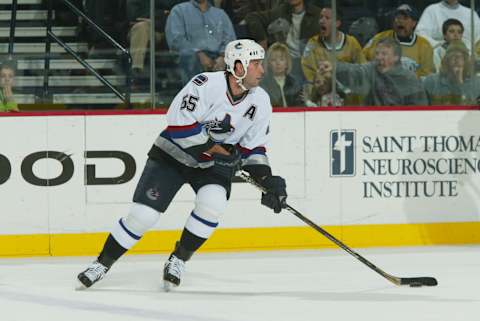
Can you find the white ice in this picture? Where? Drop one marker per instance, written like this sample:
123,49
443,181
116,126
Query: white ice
262,286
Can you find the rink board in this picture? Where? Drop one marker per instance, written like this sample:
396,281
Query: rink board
373,177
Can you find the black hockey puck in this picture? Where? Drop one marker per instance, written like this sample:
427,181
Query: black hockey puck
415,285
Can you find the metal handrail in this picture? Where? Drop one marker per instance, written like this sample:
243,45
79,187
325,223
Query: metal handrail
13,21
50,35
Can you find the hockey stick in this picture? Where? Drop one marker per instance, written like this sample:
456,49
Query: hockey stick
413,282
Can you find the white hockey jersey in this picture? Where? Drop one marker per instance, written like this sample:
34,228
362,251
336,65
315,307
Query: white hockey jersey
203,113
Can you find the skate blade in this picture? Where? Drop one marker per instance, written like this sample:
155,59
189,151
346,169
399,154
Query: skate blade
168,286
79,286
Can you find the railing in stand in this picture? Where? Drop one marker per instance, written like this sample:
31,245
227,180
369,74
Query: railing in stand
13,22
50,35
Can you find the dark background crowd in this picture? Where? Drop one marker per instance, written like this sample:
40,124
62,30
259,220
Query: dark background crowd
383,53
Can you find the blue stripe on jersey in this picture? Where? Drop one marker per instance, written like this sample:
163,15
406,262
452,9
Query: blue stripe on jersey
176,132
208,223
256,151
133,236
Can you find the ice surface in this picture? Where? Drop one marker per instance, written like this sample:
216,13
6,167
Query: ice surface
261,286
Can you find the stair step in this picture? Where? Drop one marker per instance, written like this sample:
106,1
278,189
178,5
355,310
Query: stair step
38,31
9,2
6,15
67,81
38,64
98,98
79,47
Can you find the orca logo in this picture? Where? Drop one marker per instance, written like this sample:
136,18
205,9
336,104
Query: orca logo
238,45
153,194
342,152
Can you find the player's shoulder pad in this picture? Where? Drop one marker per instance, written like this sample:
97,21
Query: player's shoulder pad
261,94
200,79
261,97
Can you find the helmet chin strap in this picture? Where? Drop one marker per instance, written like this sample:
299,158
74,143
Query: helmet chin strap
239,79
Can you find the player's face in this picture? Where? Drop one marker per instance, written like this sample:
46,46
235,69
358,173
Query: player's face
6,77
454,32
278,63
255,73
403,25
385,58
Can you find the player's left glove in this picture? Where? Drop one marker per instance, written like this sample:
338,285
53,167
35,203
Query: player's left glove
276,195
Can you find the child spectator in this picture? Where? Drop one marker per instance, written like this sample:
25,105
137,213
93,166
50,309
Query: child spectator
430,23
452,30
282,88
456,83
319,94
7,77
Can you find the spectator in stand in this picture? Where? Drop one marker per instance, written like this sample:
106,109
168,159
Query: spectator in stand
430,23
199,32
476,57
319,94
138,14
237,10
417,53
384,9
363,29
7,78
456,83
283,89
303,20
352,10
319,47
452,30
383,82
110,15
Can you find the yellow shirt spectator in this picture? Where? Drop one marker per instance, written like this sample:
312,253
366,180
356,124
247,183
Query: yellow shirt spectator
348,50
417,54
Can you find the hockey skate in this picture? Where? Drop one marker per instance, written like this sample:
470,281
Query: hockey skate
94,273
172,272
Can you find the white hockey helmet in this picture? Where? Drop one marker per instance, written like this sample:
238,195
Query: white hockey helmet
242,50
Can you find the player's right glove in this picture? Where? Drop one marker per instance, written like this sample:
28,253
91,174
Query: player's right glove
226,166
276,192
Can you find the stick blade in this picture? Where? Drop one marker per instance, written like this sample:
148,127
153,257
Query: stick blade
420,281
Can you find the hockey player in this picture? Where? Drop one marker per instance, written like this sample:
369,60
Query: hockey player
217,123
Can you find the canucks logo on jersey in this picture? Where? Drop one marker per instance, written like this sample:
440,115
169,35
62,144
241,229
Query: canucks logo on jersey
219,130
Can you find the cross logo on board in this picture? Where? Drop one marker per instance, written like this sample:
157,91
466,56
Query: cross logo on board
342,152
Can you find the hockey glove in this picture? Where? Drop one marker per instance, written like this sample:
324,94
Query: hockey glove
276,195
226,166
